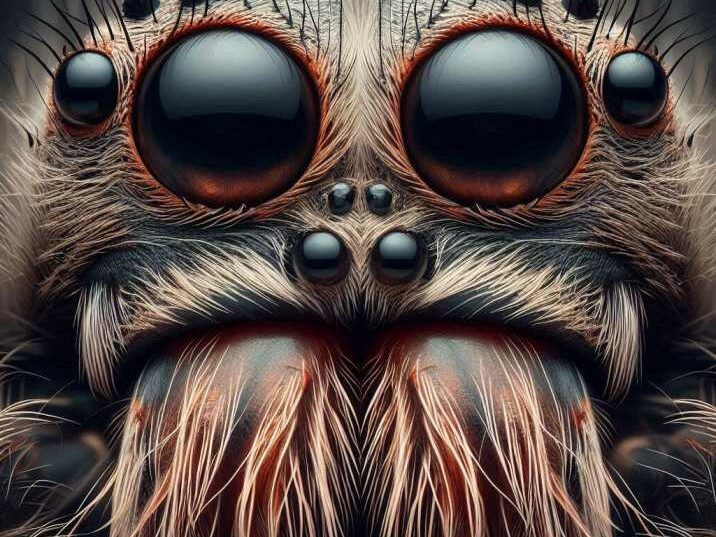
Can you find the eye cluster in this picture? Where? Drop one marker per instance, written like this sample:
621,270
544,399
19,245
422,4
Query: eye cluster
498,117
494,118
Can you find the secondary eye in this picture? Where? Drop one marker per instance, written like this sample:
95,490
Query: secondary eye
635,89
495,118
86,89
226,117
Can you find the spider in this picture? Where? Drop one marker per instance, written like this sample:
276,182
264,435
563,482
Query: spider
345,268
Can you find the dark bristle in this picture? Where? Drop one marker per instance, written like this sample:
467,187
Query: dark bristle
656,26
191,4
67,20
118,15
682,38
617,15
139,9
664,29
600,19
630,23
290,15
34,56
90,22
430,15
687,53
56,30
103,11
544,22
177,22
582,9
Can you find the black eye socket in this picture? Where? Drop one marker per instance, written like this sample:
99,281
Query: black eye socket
635,89
86,89
495,118
226,118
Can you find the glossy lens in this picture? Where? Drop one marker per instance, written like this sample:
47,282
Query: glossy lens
86,89
635,89
495,118
322,258
226,118
398,258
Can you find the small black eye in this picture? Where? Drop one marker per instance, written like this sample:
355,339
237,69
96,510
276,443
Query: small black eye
398,258
635,89
340,198
322,258
495,117
86,89
226,118
379,198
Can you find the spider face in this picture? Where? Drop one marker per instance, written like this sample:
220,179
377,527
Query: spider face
361,268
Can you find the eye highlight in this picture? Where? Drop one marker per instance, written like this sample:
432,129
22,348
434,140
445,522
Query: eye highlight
86,89
494,117
226,118
635,89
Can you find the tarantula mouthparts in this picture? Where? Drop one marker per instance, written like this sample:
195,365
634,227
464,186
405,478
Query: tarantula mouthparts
357,268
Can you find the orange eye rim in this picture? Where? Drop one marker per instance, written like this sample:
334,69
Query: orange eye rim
402,75
165,203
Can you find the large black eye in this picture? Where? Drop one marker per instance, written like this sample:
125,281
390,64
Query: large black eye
495,118
86,89
226,117
635,89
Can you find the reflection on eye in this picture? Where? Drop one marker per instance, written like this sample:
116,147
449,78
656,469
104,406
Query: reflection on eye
495,118
86,89
635,89
226,118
